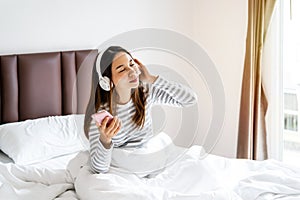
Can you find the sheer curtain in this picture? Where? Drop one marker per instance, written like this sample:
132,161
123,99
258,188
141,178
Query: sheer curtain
252,142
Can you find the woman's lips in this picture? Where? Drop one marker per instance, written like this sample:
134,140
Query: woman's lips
133,81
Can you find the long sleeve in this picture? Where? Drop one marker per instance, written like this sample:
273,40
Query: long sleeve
100,156
172,93
160,92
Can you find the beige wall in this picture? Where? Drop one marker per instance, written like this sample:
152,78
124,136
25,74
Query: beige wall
220,27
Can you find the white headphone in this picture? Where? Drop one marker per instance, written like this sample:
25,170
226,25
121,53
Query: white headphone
104,82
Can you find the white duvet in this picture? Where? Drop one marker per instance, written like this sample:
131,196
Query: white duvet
29,183
185,174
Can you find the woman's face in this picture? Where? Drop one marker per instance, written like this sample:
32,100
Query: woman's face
124,72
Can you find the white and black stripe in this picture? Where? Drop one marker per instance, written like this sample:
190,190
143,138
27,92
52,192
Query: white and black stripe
161,91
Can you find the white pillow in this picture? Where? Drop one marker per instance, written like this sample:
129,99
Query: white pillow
37,140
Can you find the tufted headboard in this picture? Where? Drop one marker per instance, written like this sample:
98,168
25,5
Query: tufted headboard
44,84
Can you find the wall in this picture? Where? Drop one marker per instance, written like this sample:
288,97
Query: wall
219,27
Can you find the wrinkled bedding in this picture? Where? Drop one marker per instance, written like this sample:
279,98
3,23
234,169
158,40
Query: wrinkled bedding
159,171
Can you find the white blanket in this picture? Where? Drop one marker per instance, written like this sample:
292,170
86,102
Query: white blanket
28,183
191,174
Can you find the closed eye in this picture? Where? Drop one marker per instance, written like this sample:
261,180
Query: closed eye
131,63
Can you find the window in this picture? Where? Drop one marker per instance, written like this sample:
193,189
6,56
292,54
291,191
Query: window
291,80
290,110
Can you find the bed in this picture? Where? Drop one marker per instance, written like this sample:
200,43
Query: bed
44,153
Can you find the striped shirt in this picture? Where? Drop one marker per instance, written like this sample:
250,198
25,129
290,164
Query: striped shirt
161,91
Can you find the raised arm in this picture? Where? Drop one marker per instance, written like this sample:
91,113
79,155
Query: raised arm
168,92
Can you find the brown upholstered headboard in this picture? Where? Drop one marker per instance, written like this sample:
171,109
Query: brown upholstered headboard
44,84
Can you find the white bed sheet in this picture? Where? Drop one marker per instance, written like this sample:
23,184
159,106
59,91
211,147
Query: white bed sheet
47,180
57,163
4,158
192,177
60,162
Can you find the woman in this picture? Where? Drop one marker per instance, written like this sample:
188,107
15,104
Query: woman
118,88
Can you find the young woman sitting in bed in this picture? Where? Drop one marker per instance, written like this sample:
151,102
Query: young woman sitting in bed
124,87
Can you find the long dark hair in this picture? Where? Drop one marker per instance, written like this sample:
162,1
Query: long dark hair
99,97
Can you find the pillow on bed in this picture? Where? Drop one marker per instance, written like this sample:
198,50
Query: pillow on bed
37,140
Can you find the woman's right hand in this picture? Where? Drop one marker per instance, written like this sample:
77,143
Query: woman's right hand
145,75
107,131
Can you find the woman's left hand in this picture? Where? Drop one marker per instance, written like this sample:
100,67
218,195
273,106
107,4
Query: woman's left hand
145,75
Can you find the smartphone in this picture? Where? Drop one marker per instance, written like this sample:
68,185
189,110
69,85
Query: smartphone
99,116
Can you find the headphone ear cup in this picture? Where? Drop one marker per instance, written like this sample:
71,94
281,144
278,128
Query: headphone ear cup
104,83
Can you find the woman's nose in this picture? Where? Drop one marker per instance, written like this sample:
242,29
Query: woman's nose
131,71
